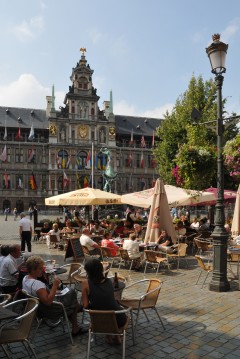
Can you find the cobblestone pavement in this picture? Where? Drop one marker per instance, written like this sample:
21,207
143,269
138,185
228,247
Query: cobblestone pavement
199,323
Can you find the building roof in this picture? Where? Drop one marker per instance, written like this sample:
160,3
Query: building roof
140,126
23,117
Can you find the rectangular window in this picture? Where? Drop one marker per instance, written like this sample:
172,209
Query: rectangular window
19,155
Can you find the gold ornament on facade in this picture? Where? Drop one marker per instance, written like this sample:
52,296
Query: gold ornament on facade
112,131
53,129
82,131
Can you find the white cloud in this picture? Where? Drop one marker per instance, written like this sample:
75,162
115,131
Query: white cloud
230,30
96,36
29,30
28,92
123,108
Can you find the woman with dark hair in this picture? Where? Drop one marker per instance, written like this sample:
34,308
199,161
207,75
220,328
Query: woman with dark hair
98,293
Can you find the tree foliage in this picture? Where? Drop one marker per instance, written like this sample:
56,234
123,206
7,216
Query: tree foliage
186,152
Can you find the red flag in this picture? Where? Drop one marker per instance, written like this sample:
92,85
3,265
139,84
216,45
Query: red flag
32,182
142,161
18,137
130,159
153,139
143,143
31,154
6,179
85,182
131,139
65,180
89,160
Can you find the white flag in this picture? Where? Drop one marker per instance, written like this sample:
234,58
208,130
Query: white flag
3,156
31,134
5,134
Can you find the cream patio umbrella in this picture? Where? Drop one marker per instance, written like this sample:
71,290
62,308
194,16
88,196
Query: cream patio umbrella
84,197
176,197
235,229
159,217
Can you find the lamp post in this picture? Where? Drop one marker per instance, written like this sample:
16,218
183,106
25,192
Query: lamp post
217,54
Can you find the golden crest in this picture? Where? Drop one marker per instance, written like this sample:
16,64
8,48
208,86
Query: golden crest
112,131
82,131
53,129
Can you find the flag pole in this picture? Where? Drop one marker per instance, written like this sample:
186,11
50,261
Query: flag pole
92,173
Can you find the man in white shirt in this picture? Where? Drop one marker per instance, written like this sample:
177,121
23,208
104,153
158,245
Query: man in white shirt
9,270
132,246
86,241
25,230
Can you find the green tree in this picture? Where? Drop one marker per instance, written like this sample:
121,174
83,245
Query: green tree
186,152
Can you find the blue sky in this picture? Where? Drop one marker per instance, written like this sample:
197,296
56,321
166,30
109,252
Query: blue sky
145,51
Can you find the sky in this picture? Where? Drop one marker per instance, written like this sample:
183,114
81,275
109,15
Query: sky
145,51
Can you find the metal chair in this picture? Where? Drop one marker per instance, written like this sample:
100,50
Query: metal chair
125,258
153,258
181,254
106,256
202,244
104,322
4,299
147,300
205,267
21,330
73,267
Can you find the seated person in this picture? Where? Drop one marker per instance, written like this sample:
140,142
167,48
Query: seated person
107,242
132,246
33,286
165,242
9,270
203,225
194,224
140,233
98,293
68,227
180,230
98,229
54,231
86,240
119,230
44,231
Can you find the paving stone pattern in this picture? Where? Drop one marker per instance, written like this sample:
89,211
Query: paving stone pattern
199,323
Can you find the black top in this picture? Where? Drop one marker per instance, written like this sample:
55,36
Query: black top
101,297
164,239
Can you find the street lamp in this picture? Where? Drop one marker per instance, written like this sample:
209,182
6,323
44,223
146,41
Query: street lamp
217,54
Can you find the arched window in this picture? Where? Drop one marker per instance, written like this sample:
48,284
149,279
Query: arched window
92,111
81,160
6,204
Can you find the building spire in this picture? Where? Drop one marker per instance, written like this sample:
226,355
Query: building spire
53,100
111,103
83,60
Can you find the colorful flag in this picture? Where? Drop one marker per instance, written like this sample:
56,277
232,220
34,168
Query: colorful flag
142,161
131,139
63,164
78,181
65,180
104,162
32,182
153,139
5,134
18,137
31,155
143,143
3,156
130,159
88,160
85,182
5,176
68,162
58,161
31,134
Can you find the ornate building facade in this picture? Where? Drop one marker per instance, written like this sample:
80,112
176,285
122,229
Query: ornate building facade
47,152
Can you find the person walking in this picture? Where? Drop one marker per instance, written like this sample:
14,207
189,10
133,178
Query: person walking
6,211
25,230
